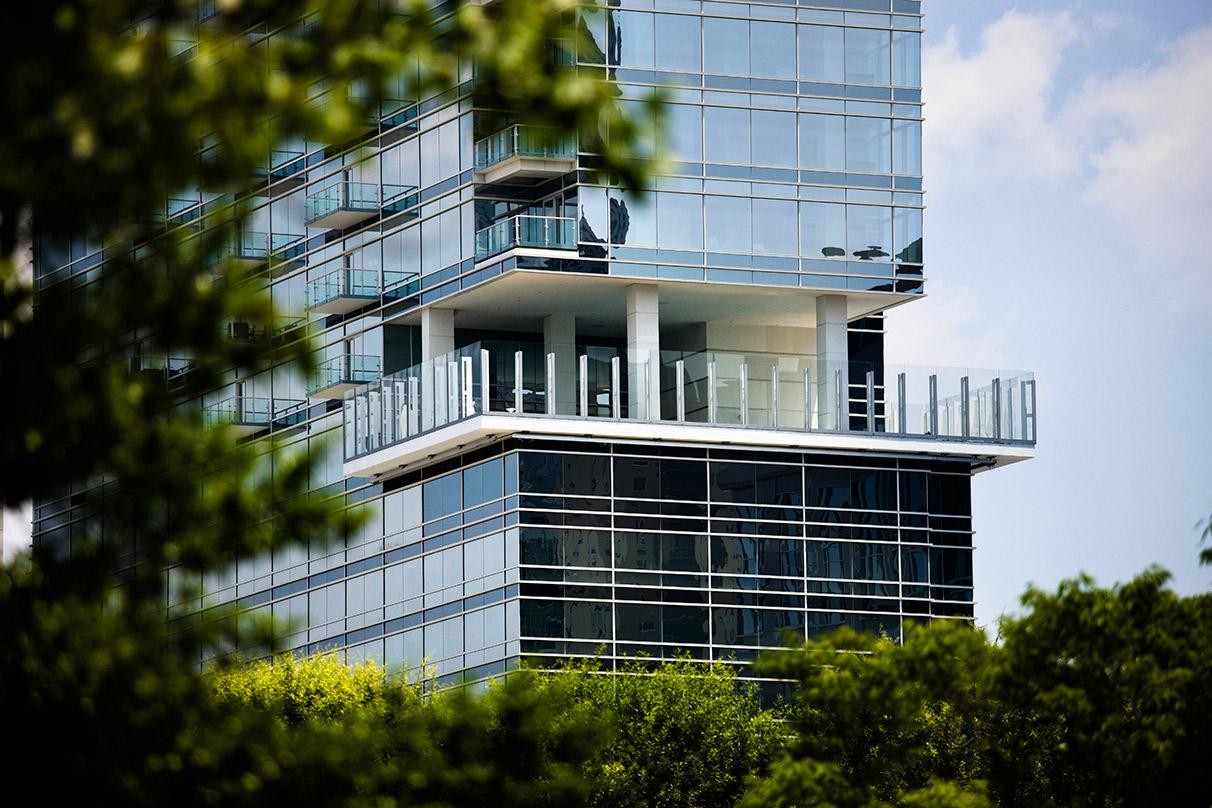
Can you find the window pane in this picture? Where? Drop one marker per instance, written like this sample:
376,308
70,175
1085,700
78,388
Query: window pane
727,133
631,39
632,218
907,147
684,130
869,232
774,230
773,138
867,56
822,230
725,46
728,224
869,145
906,59
823,142
680,221
821,53
907,233
772,48
678,40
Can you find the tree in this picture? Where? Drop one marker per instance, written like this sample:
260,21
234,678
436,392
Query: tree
106,104
1094,697
685,733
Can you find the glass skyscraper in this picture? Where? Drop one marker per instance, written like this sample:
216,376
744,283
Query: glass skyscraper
583,420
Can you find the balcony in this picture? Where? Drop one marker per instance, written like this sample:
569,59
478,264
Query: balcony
247,415
335,377
528,152
343,204
474,395
343,290
526,231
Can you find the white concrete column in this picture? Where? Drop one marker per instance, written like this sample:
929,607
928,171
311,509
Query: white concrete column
437,339
832,355
643,351
437,332
560,338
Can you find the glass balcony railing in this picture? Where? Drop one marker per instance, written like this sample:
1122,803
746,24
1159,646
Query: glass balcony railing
342,372
253,413
355,197
341,284
524,230
754,391
523,141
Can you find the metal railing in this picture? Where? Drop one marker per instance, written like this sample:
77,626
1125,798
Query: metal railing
524,141
759,391
525,230
342,195
342,282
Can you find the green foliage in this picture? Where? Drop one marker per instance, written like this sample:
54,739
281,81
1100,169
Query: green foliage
1095,696
685,733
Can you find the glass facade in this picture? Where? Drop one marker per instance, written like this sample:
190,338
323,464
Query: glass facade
794,134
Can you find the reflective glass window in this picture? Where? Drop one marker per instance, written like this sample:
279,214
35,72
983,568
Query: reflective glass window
725,46
869,232
729,224
867,56
773,138
772,49
774,227
907,235
678,43
631,39
727,132
680,221
822,230
907,147
821,53
632,218
684,131
869,144
822,141
906,58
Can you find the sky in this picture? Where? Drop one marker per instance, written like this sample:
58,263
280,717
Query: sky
1068,165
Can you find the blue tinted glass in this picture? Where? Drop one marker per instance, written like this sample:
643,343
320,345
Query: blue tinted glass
725,46
727,135
632,218
680,221
631,42
678,43
728,224
869,144
442,496
774,227
773,138
869,232
907,232
906,59
684,130
867,56
822,142
822,230
772,49
907,147
821,52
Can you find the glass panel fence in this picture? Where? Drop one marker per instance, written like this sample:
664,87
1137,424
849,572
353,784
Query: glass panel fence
753,390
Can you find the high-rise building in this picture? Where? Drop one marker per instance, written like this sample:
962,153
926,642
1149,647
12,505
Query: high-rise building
584,420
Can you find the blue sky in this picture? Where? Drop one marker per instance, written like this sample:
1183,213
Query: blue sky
1069,193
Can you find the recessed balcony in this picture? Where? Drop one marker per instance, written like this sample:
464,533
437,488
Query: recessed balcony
248,415
524,152
524,231
335,377
778,401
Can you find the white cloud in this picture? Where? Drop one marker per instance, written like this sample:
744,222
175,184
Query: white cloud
988,113
1152,170
1133,145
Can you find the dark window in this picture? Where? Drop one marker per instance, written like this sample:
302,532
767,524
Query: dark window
950,567
913,491
950,494
542,618
539,546
851,488
753,483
